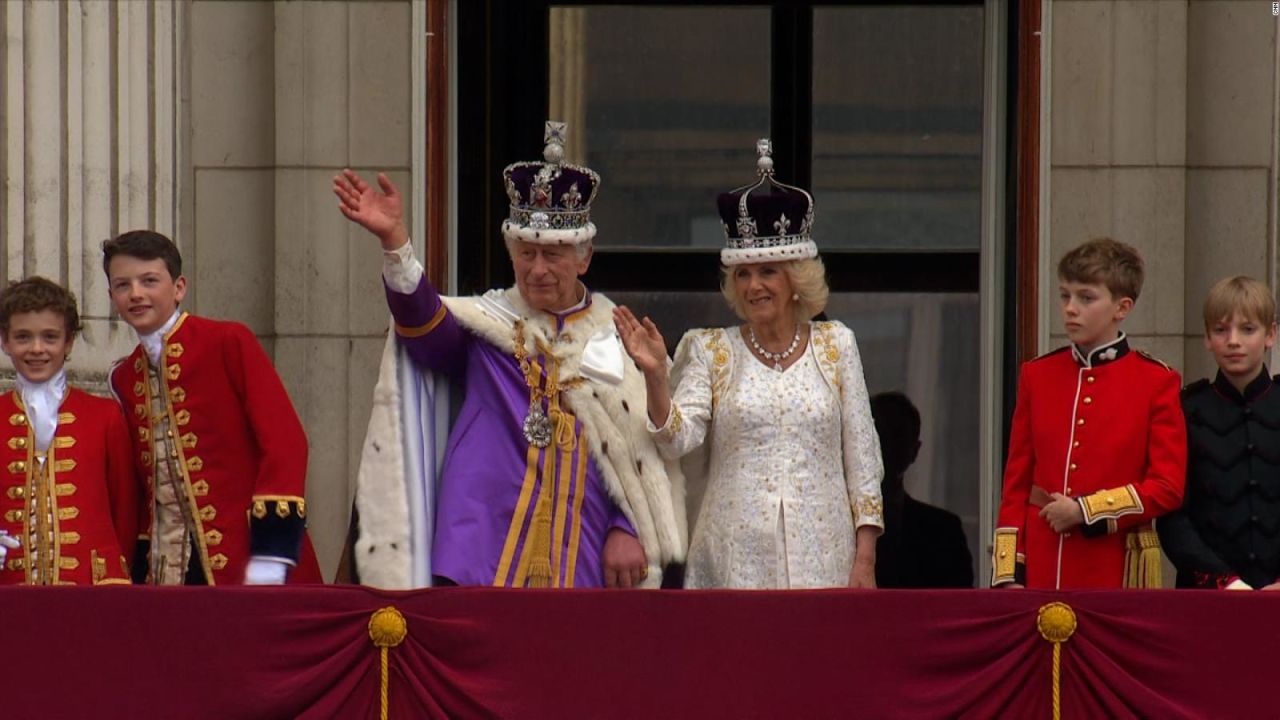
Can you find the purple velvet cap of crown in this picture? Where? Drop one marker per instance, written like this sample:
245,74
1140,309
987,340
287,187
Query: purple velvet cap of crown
773,214
550,201
768,220
562,193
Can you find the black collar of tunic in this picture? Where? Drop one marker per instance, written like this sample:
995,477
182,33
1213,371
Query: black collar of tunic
1252,391
1103,354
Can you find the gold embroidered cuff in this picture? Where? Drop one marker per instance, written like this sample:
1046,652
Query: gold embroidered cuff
1111,504
868,511
667,433
1004,559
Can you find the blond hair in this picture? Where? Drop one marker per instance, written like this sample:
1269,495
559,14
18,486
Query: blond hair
1107,262
1239,294
808,279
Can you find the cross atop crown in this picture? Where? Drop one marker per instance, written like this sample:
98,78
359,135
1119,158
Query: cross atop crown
764,148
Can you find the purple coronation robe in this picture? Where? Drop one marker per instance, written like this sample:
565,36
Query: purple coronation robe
492,477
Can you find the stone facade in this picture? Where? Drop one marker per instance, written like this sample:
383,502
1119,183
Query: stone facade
1163,123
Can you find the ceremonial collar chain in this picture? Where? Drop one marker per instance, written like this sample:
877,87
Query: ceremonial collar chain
542,427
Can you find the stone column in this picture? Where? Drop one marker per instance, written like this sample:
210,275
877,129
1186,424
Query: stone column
91,124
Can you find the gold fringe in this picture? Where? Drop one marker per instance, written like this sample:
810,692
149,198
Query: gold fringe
1142,565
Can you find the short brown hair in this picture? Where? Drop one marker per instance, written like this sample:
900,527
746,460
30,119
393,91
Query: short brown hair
35,294
1239,294
144,245
1105,261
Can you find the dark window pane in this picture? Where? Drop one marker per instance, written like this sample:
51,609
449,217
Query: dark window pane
897,121
666,104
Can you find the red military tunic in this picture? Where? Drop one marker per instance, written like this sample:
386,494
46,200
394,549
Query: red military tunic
1107,430
89,499
236,440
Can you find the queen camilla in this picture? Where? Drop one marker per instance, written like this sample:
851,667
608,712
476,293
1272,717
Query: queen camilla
793,486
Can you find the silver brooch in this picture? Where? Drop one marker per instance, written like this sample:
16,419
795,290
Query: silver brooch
537,427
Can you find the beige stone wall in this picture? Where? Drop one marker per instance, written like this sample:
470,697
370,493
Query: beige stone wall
284,95
1161,135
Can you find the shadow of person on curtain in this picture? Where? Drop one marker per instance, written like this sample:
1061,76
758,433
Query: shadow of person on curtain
922,546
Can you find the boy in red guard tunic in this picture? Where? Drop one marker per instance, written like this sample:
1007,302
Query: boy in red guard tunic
68,491
1098,446
214,434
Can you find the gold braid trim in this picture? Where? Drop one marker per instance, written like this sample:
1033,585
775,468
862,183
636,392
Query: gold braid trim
1111,504
1004,560
420,330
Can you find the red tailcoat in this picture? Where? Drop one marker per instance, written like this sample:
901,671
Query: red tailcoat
237,440
95,499
1106,429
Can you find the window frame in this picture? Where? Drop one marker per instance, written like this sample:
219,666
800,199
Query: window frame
500,110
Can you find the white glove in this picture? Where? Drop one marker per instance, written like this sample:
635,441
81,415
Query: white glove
1238,584
265,571
7,543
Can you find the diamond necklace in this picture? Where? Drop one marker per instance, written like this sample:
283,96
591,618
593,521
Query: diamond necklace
775,357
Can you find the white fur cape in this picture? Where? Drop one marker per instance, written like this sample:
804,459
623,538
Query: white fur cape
404,446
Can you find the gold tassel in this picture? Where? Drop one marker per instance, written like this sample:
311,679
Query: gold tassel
387,629
538,543
1056,623
1142,565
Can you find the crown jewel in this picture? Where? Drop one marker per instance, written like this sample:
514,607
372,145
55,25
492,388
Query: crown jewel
550,201
771,205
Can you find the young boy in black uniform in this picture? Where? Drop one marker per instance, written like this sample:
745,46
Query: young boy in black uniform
1227,533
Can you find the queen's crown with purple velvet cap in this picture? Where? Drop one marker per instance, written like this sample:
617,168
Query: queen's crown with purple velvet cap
767,221
550,201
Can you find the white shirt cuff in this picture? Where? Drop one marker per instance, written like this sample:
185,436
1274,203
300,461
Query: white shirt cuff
263,570
401,270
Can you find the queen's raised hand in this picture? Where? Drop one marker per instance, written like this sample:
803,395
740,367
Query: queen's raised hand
642,340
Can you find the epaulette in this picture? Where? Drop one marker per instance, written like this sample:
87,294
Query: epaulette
1195,387
1151,358
1051,353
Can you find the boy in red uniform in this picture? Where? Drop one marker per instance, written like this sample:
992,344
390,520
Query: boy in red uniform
67,490
1098,446
213,431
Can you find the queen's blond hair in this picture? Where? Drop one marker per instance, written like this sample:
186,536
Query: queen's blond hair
808,280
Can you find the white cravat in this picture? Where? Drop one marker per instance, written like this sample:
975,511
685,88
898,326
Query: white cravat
153,342
42,401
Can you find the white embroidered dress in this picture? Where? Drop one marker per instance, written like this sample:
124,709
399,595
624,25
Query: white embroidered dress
794,462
